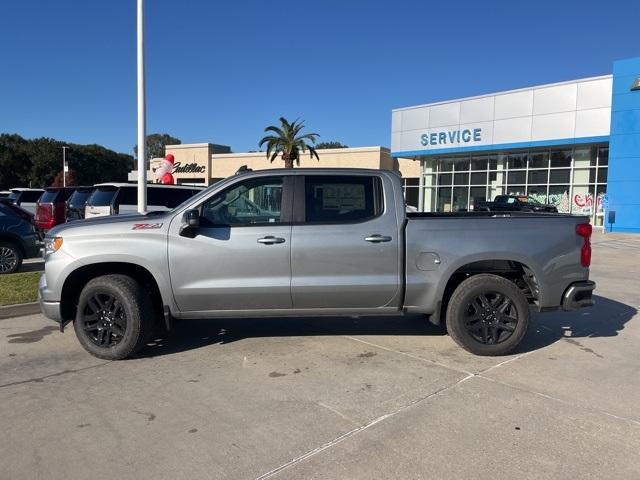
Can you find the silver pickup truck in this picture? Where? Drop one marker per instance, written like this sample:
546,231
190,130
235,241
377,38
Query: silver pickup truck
312,242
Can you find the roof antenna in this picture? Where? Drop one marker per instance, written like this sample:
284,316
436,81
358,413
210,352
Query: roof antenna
243,169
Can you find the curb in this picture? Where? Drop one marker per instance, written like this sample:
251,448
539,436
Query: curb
19,310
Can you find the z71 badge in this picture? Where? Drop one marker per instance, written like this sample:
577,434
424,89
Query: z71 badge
145,226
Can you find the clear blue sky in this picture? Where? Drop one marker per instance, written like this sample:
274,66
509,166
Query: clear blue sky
220,71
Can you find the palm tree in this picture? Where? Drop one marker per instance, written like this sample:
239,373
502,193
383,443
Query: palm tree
288,141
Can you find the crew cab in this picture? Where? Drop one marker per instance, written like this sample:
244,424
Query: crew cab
313,242
515,203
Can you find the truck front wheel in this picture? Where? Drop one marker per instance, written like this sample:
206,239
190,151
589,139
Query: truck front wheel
487,315
114,317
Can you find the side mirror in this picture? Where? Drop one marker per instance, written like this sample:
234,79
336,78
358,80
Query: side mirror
190,223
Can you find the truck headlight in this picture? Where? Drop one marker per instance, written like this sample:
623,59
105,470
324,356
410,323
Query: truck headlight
52,245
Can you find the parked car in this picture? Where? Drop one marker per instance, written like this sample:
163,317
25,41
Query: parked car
26,198
19,237
122,198
323,242
4,193
77,203
51,207
515,203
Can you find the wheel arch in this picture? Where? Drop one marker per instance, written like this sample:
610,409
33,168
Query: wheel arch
13,238
513,270
77,279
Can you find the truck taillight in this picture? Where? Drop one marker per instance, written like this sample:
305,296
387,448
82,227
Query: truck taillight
585,230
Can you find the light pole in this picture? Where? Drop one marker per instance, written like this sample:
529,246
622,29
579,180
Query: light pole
64,166
142,140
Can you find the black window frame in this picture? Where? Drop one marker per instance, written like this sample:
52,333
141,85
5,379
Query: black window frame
286,204
300,199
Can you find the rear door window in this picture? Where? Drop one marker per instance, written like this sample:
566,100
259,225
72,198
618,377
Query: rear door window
49,196
79,198
102,196
127,196
342,199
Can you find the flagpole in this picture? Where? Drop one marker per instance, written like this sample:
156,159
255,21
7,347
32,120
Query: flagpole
142,150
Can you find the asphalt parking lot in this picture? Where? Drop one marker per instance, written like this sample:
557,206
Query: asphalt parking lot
341,398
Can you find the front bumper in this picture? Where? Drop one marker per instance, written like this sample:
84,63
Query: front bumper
50,310
578,295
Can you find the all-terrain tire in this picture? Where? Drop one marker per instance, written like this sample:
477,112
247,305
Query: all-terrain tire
134,317
10,257
485,330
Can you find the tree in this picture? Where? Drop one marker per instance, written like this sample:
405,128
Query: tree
332,144
156,143
36,162
288,141
69,180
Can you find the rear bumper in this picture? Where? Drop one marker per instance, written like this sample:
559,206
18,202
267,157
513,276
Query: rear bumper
578,295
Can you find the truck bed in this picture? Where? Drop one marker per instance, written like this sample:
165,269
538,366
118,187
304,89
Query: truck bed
485,214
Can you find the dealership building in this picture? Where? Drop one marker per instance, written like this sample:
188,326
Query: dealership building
575,144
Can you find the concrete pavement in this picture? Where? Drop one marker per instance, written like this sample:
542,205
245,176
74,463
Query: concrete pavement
334,398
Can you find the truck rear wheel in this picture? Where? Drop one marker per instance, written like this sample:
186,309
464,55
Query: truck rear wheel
487,315
114,317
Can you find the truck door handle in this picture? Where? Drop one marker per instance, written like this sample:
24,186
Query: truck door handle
270,240
377,238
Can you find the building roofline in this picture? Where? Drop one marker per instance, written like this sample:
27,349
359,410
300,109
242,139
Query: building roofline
194,145
320,151
532,87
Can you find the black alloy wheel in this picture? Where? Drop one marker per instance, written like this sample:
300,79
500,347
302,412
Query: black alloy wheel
10,258
104,320
487,315
491,318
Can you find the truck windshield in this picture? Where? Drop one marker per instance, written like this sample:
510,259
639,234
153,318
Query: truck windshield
102,196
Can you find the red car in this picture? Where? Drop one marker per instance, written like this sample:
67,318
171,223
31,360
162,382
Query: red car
51,207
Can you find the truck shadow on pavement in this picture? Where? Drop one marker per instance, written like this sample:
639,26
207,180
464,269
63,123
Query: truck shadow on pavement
605,319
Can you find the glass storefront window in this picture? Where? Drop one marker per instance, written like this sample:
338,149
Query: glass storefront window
561,158
517,177
518,160
445,179
462,165
460,199
585,157
444,199
560,176
584,175
538,193
538,176
445,165
411,196
559,196
478,178
460,178
602,175
479,163
603,156
477,195
571,178
539,160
